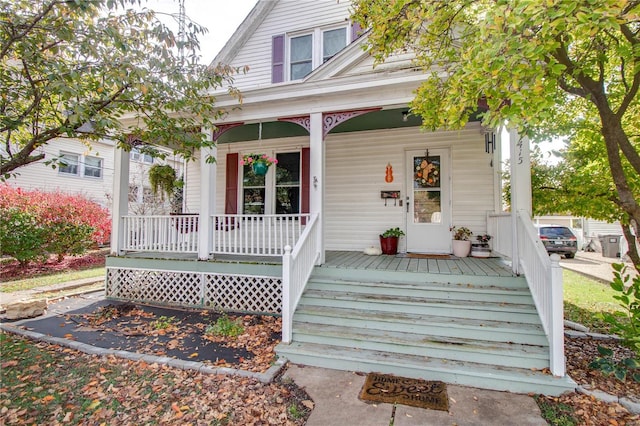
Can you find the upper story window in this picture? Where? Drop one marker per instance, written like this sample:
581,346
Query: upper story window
69,163
136,155
333,41
80,165
306,52
301,56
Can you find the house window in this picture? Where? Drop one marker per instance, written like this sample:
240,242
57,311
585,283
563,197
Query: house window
288,183
69,164
308,51
136,155
301,58
333,41
93,167
277,192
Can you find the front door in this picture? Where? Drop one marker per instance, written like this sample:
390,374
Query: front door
428,205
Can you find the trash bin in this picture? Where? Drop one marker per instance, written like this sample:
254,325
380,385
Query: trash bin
610,245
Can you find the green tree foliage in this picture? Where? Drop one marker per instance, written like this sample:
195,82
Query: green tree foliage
100,69
568,68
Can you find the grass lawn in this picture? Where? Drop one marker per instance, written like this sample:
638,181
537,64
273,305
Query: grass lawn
584,298
29,283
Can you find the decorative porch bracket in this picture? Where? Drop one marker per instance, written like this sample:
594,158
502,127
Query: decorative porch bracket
329,119
222,128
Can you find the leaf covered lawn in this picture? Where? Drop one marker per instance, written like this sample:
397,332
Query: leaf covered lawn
49,384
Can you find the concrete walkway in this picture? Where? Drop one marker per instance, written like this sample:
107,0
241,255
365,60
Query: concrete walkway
335,394
594,265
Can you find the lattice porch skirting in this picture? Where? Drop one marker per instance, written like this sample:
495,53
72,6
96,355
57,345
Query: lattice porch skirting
216,291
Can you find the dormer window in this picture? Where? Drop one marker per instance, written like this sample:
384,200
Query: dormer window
301,56
296,55
333,41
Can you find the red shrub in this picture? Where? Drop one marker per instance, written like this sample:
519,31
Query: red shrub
54,208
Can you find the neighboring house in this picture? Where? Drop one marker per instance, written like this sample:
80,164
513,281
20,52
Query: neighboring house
88,171
352,162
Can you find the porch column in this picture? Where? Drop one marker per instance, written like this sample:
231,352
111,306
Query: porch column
520,187
120,207
317,175
207,200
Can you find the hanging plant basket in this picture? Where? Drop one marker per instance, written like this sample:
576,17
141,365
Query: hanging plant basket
260,168
259,163
162,178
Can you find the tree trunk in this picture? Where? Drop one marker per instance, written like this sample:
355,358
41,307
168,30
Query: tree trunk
632,242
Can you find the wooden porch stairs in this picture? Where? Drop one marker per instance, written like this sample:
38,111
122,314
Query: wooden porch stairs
474,331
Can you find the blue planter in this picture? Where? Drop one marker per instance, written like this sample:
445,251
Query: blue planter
260,168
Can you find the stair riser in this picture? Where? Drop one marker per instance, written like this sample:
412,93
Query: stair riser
442,330
469,294
416,278
497,382
445,352
444,310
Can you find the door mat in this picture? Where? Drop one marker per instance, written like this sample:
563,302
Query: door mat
428,256
401,390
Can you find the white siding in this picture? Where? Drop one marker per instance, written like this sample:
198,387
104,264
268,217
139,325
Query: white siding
287,16
355,171
355,213
44,177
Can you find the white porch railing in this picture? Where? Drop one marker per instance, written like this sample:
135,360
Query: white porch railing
544,276
261,235
297,265
499,227
169,234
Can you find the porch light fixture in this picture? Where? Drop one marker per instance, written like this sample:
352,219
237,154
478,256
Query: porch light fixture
405,116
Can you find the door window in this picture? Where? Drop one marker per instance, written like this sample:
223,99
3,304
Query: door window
426,189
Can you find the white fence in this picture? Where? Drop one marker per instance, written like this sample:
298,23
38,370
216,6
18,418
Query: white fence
167,234
499,227
544,276
262,235
297,265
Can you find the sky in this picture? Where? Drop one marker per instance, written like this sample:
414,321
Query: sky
220,17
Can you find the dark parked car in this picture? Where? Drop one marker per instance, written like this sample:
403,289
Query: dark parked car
558,239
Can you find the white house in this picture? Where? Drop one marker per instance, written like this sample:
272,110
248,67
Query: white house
88,170
352,162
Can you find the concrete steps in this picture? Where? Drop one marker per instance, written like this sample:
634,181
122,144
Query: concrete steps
484,334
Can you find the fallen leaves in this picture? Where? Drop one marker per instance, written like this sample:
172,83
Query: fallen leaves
75,388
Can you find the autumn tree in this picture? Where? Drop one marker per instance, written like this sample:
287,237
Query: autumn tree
546,67
79,69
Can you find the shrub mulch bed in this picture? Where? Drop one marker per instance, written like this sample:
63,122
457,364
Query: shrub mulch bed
183,334
11,270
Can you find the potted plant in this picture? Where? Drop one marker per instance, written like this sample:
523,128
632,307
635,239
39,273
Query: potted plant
481,247
259,163
461,241
389,240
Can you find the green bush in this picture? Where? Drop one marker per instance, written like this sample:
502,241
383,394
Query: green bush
625,323
21,236
64,238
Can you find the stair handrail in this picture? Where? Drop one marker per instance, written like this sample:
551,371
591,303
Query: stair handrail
544,278
297,265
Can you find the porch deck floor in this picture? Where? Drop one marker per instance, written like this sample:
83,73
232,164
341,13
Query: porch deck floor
493,266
